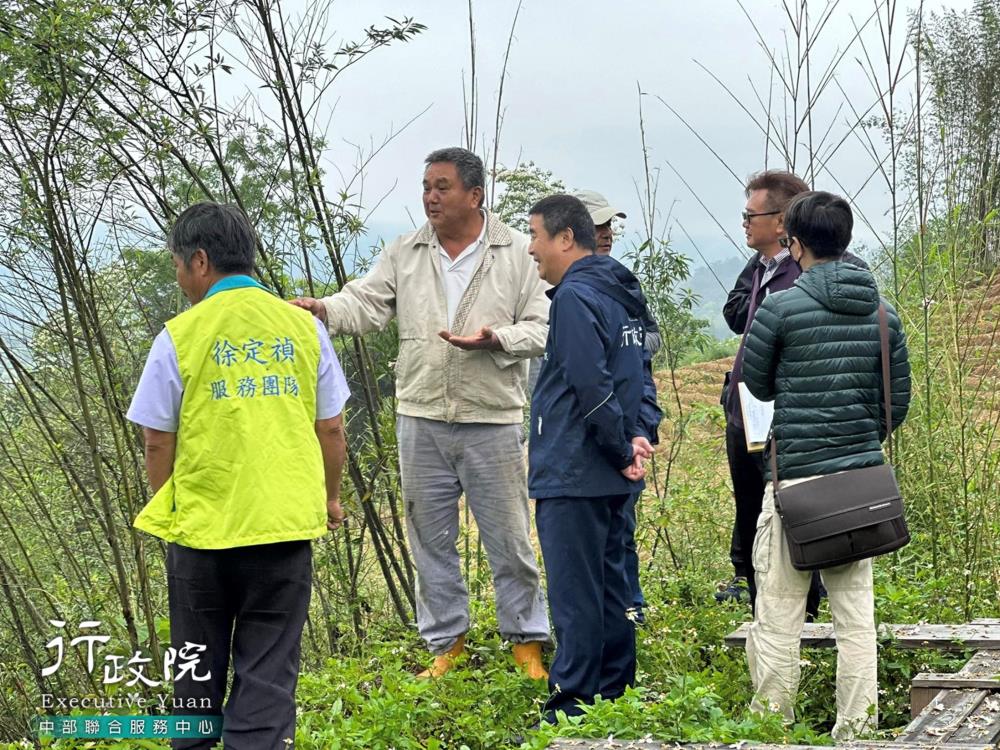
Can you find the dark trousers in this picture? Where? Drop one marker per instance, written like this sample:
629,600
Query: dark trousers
634,599
583,546
747,472
252,602
736,554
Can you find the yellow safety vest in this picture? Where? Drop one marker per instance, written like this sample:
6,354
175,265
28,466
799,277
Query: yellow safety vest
248,467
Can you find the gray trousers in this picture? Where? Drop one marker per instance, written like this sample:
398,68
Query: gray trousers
438,462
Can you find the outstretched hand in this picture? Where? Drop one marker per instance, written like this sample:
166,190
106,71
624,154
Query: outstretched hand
484,338
315,306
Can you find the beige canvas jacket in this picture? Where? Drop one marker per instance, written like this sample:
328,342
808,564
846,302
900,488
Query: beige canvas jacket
434,379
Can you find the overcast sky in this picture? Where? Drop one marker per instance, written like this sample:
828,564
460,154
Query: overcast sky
571,102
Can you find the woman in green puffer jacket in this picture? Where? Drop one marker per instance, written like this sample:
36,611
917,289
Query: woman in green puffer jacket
814,349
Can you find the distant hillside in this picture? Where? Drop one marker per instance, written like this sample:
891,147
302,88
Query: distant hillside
980,347
701,383
713,293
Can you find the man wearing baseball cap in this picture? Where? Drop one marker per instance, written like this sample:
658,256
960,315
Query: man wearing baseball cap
602,214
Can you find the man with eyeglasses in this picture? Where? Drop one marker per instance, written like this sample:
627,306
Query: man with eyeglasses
770,269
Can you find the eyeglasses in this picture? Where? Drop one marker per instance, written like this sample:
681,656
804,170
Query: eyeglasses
786,242
747,215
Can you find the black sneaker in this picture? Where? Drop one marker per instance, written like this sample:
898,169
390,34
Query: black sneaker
736,591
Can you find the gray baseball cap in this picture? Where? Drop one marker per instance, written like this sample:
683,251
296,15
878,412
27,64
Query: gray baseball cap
597,205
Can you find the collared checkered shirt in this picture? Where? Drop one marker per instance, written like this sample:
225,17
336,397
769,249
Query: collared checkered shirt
771,265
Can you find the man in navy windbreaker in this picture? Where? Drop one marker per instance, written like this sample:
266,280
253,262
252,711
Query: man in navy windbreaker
586,452
650,414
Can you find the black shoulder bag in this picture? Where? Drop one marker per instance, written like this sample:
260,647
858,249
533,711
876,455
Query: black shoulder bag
848,516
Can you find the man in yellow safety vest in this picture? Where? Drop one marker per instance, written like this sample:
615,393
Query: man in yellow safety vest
240,403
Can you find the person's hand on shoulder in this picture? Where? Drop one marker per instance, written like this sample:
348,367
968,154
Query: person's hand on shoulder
312,305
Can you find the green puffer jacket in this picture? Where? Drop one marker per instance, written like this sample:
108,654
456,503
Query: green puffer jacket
815,350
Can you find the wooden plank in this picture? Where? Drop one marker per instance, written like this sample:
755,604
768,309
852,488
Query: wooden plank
954,681
941,719
983,663
982,725
976,674
942,637
920,698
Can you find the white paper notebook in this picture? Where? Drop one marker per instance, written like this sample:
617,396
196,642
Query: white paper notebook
757,416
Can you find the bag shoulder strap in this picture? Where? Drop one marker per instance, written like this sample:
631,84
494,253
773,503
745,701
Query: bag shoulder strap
883,325
774,460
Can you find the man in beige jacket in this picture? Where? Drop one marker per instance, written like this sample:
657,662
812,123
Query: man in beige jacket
471,311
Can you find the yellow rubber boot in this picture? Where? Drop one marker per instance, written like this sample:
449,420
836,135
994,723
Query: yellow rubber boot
444,662
528,656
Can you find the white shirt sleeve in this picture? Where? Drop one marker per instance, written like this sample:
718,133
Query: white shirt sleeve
157,400
332,391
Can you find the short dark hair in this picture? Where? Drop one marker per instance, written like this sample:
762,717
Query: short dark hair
222,230
561,212
470,167
781,187
821,221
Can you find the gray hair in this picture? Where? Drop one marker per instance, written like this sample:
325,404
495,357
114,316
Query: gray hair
470,167
222,230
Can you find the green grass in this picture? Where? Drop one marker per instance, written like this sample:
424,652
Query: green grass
690,687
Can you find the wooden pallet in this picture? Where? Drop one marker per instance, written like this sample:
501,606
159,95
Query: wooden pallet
981,674
979,634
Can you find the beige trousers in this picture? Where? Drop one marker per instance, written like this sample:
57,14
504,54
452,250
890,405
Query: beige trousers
773,641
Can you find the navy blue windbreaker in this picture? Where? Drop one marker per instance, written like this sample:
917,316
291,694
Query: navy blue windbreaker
588,401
